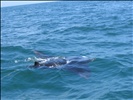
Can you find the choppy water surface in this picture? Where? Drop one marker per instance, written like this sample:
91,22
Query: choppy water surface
101,30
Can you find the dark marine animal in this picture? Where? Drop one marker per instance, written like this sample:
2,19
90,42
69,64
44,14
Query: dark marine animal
74,64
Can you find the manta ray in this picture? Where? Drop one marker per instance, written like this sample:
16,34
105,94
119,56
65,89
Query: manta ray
78,65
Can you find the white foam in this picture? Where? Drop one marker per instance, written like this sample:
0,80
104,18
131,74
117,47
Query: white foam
68,61
84,56
29,59
16,61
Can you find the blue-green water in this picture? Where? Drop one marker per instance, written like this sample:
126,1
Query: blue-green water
101,30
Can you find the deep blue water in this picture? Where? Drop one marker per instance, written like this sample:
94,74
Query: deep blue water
101,30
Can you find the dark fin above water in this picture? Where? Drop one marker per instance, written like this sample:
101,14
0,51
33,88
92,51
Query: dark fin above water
36,63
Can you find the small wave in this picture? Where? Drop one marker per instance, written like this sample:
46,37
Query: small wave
118,94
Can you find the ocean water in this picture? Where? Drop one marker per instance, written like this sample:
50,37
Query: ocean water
100,30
